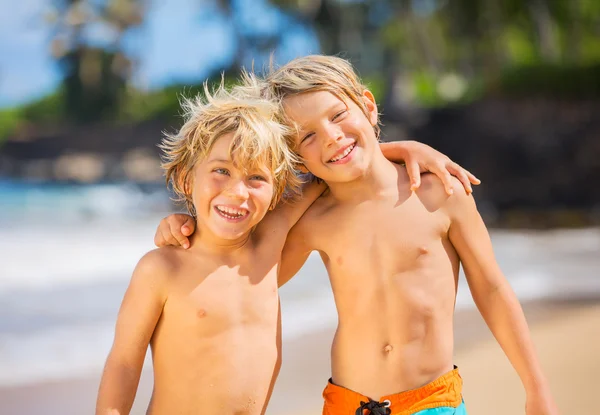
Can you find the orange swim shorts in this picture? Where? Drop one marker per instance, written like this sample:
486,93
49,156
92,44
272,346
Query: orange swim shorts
445,391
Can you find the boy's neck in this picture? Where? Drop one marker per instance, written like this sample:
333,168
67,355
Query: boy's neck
380,178
205,241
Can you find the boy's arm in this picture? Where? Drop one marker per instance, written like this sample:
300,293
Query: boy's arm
495,299
175,229
140,310
288,212
295,252
420,157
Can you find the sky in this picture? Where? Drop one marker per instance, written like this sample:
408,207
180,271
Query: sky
180,41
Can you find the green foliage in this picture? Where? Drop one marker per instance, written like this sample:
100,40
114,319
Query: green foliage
425,88
46,109
509,47
165,103
9,121
376,84
519,47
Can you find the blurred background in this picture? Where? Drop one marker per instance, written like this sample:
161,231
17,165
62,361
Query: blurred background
509,89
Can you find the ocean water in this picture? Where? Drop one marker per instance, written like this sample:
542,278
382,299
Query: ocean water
67,252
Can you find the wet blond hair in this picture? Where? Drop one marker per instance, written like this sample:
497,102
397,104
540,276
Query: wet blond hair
316,73
258,140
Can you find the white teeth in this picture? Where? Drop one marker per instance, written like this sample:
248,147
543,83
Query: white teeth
232,213
344,154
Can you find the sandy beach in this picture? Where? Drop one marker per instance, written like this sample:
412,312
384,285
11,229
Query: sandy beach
567,335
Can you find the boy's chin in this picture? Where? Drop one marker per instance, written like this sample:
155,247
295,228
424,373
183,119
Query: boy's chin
231,233
234,232
349,174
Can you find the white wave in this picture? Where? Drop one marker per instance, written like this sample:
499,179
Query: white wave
54,255
54,353
47,334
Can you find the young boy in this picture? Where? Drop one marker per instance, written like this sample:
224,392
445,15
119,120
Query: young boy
392,256
211,313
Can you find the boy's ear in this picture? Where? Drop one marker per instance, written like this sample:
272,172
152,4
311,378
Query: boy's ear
371,105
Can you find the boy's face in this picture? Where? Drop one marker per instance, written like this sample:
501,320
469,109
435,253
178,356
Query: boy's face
229,201
336,140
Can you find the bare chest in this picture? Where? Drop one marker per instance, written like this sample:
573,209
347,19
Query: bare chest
380,239
225,299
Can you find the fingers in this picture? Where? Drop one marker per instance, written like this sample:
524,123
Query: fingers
171,231
159,240
472,177
176,236
414,174
441,171
167,238
461,174
466,177
189,226
162,236
447,180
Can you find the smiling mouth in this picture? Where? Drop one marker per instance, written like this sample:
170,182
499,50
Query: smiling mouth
344,154
231,213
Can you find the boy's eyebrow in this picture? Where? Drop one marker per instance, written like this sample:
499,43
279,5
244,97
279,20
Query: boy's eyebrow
219,161
302,127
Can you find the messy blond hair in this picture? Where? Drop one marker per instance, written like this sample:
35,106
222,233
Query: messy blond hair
258,140
316,73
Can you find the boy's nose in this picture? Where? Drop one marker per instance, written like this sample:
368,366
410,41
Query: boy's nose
238,190
333,135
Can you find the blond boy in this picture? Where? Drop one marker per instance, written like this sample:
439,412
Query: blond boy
211,313
392,255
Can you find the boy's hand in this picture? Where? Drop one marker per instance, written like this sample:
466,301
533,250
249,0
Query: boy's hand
420,158
174,230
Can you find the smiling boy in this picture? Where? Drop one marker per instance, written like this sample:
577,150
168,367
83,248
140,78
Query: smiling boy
211,313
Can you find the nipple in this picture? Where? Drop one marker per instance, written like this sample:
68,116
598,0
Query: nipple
201,313
423,250
388,348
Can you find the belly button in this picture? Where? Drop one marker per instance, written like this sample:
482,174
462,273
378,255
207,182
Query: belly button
388,348
201,313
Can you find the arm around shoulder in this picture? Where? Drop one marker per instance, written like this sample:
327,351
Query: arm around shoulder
295,252
288,212
139,313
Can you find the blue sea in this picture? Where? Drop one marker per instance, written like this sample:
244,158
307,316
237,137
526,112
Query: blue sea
67,253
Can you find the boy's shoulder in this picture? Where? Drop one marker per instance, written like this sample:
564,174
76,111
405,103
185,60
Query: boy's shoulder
318,214
324,205
161,263
433,195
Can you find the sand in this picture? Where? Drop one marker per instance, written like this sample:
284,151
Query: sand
567,336
568,345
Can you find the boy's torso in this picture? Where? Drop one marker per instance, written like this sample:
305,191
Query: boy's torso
216,347
394,275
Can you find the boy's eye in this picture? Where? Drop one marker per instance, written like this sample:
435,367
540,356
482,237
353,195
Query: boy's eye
258,177
306,137
339,114
221,171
